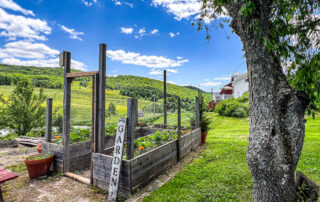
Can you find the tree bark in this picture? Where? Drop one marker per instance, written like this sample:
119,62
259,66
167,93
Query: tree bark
277,110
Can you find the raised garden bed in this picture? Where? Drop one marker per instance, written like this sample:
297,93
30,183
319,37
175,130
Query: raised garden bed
80,152
137,172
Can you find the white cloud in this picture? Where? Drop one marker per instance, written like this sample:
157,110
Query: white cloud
73,33
89,3
223,78
154,31
179,58
171,34
173,71
172,82
160,72
125,30
144,60
142,31
26,49
9,4
180,8
43,63
13,26
119,3
183,9
33,54
211,84
156,72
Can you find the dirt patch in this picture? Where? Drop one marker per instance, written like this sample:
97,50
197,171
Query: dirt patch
15,156
54,188
61,188
165,177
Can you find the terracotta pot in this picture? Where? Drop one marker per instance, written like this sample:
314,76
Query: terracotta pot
37,168
203,137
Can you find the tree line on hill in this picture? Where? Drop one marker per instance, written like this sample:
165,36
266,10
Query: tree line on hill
131,86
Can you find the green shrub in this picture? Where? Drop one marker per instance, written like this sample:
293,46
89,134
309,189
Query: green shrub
234,107
9,136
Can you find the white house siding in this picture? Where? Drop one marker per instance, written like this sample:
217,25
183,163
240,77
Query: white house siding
240,85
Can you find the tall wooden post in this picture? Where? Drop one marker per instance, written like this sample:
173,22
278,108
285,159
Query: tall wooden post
197,124
131,114
65,59
165,96
96,115
102,97
179,130
49,120
94,122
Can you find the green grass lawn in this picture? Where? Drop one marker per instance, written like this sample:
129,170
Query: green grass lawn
172,119
220,172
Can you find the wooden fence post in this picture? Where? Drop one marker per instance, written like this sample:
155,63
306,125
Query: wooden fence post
94,122
101,97
179,130
66,61
197,124
131,114
49,120
165,97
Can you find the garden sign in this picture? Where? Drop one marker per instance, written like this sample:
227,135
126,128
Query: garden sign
117,158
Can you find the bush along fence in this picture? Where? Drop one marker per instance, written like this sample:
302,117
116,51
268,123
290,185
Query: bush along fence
148,151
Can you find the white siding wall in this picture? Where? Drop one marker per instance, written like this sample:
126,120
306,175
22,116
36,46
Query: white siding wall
240,86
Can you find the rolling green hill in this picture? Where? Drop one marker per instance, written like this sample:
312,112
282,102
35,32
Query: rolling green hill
118,90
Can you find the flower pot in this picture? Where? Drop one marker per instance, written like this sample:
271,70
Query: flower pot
37,168
203,137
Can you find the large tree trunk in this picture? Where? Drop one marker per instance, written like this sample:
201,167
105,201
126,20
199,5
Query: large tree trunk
276,114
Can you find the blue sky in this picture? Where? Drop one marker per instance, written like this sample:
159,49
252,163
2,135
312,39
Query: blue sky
143,38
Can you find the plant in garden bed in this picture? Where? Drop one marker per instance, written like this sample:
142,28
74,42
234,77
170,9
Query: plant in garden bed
79,135
111,130
147,143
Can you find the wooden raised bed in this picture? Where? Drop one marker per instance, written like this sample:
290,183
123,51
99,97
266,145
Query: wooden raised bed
80,152
137,172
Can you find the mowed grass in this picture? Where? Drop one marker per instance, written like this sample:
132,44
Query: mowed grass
81,102
221,173
172,119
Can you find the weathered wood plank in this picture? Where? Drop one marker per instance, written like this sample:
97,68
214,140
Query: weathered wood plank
81,74
66,109
131,115
165,97
102,97
105,185
78,177
48,120
179,131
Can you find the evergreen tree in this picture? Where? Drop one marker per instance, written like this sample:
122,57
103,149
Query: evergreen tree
24,110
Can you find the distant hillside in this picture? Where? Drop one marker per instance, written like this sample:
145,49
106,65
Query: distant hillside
194,88
132,86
